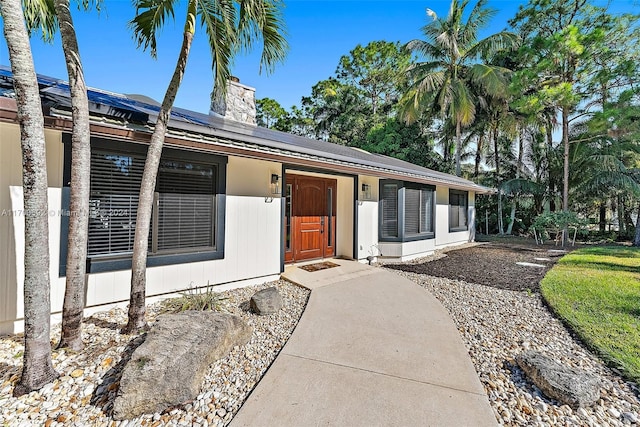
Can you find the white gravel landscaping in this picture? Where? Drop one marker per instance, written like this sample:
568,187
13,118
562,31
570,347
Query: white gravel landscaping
84,393
496,325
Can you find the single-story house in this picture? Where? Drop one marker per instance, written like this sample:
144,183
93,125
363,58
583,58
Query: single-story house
234,202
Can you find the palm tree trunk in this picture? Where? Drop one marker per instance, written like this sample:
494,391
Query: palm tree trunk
565,142
565,186
636,240
551,177
496,155
602,224
74,296
37,368
621,231
476,167
458,147
147,187
512,217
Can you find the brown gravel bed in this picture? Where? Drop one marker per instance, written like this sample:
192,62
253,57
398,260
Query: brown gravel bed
490,264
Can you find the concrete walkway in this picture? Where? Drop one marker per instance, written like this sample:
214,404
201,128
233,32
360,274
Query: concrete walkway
371,349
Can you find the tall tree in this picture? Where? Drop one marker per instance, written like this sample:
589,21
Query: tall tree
559,33
362,93
373,69
74,295
48,17
397,139
270,114
37,367
231,26
605,156
455,74
338,112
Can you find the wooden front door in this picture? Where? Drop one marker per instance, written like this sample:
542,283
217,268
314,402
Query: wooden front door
310,218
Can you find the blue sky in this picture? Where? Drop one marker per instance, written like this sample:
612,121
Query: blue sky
319,32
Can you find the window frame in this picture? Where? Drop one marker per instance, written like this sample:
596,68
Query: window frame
402,235
465,195
108,262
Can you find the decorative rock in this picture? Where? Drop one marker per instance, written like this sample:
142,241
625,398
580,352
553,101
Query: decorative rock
77,373
266,301
572,386
170,366
614,412
631,417
529,264
542,407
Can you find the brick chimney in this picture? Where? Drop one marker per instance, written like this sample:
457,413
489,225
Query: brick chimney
239,104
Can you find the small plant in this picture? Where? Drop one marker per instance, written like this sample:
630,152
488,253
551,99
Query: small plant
199,299
556,221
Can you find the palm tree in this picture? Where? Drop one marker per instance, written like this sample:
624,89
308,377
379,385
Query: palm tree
74,295
37,368
231,26
604,155
48,17
453,77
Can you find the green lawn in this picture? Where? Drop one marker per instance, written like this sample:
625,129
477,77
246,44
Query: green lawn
596,291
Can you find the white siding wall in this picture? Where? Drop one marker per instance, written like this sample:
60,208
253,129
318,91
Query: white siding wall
252,236
252,242
12,221
368,219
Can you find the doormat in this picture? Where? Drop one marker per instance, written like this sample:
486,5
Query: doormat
318,266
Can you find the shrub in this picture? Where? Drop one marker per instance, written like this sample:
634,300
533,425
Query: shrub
199,299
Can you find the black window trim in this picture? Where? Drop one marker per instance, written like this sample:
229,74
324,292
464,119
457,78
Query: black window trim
465,194
402,237
105,263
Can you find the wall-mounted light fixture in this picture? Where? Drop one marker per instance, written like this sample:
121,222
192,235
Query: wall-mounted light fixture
366,191
275,184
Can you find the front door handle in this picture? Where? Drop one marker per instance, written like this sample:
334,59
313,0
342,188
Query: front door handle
322,225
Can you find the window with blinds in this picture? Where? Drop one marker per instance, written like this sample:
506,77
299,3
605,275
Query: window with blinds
418,211
113,204
458,210
406,211
184,208
389,210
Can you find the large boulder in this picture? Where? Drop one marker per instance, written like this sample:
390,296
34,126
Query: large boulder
266,301
572,386
169,367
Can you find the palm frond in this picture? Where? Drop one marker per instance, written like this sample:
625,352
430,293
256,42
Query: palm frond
150,18
489,46
262,20
218,19
425,49
430,82
607,180
408,107
478,19
522,186
491,79
449,44
462,104
40,15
